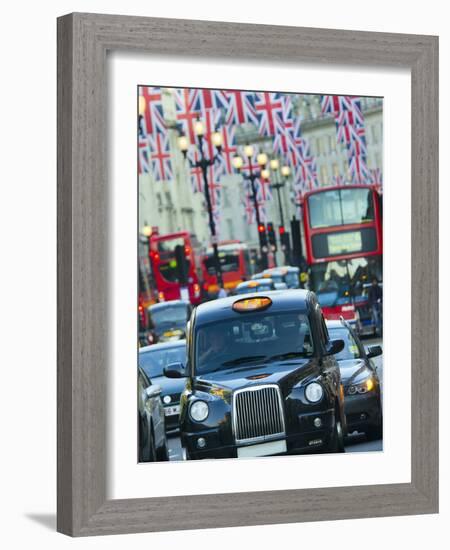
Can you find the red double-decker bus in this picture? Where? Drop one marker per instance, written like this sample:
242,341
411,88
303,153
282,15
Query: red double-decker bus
343,239
176,269
235,264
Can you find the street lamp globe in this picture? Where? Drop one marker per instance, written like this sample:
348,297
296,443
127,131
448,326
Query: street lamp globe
262,159
217,139
274,164
183,144
199,129
265,174
147,230
285,171
248,151
237,162
142,105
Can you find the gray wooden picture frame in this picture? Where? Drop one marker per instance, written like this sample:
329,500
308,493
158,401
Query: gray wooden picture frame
83,42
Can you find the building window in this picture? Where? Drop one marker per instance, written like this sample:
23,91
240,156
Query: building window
324,175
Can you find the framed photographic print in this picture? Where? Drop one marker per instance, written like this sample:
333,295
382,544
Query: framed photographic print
247,274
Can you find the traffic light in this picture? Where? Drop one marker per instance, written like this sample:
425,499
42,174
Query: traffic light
272,238
297,251
182,264
284,239
262,237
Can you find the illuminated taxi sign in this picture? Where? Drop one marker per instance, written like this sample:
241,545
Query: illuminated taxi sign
253,284
251,304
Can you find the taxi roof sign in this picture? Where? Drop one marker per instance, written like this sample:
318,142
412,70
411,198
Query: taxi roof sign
252,304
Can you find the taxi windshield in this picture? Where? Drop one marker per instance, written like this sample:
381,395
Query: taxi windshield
252,339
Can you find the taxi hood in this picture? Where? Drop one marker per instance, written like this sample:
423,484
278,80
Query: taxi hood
284,373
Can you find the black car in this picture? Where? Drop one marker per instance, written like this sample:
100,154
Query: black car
262,378
363,404
152,360
167,320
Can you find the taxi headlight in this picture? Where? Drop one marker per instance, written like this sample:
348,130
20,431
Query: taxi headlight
199,411
314,392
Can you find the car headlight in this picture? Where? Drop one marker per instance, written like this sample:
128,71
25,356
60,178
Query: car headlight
314,392
364,387
199,411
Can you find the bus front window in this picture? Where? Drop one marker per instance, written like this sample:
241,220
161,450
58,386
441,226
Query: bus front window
341,207
342,282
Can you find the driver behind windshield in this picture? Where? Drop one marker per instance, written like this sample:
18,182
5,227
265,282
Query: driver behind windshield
252,340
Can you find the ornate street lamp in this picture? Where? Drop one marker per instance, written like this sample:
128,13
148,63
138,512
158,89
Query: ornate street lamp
252,176
204,163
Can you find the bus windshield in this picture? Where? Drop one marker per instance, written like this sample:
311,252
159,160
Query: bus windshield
229,261
167,264
340,207
342,282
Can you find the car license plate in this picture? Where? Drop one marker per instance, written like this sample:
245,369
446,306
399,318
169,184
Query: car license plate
169,411
263,449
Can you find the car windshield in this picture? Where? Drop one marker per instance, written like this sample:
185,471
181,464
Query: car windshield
152,362
252,338
351,350
259,288
169,314
291,279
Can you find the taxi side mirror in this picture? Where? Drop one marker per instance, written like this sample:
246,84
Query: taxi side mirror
175,370
335,346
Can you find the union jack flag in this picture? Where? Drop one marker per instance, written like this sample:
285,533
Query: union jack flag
284,141
160,156
229,149
249,209
213,99
188,110
249,203
338,180
143,155
269,108
241,107
377,176
153,116
196,176
358,170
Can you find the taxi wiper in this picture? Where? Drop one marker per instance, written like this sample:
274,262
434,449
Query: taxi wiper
288,355
241,360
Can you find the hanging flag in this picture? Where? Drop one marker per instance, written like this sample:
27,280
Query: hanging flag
241,107
269,109
143,155
229,149
153,116
350,130
160,156
188,110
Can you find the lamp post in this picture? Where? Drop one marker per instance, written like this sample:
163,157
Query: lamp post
252,176
204,163
277,185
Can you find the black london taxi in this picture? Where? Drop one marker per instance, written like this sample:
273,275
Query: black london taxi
359,375
261,378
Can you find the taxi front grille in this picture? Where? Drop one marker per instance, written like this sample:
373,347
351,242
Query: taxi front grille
258,414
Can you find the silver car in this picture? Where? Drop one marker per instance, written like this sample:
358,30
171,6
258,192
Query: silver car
152,442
